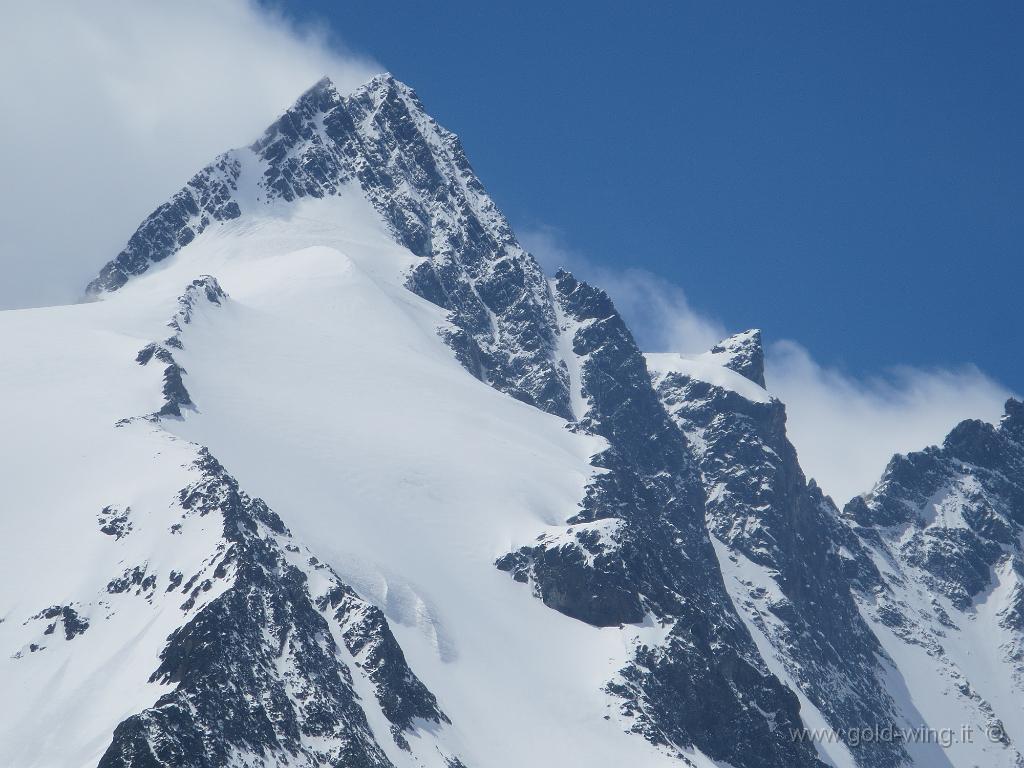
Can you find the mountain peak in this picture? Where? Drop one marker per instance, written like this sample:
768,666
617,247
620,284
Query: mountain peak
383,81
324,96
590,302
743,353
1012,422
380,143
324,93
384,88
321,86
319,97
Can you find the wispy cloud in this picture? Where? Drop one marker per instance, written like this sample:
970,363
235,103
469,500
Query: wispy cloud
845,428
658,312
111,105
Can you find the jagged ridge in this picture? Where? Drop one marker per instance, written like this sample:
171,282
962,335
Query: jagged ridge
638,546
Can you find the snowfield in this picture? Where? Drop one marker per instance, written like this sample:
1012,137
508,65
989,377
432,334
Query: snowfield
323,386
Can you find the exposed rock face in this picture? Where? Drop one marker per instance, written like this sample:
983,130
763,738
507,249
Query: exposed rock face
962,505
72,623
115,522
258,673
638,549
947,524
208,197
788,559
205,288
743,353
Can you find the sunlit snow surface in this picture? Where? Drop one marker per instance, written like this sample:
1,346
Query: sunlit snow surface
709,367
322,386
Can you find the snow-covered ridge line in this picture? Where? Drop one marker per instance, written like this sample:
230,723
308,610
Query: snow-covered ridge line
176,396
735,364
266,635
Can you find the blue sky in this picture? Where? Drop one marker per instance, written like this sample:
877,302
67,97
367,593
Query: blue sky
849,175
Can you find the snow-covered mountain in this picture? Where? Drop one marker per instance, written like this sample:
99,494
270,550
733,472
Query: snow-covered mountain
329,473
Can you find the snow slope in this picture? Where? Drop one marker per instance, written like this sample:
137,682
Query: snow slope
407,474
323,386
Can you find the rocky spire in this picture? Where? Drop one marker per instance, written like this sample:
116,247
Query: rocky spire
1012,423
744,354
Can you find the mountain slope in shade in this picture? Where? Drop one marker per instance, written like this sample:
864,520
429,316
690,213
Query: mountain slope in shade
787,558
946,528
330,474
637,551
853,609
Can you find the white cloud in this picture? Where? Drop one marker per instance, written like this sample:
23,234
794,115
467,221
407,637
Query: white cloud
110,106
657,311
845,428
